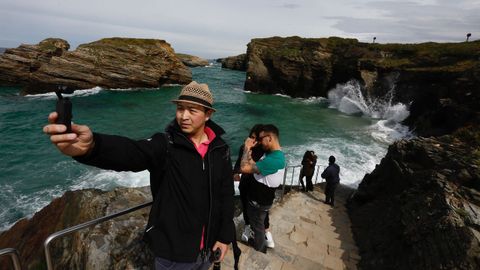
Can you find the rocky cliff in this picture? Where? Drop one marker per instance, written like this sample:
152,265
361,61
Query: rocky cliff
115,244
108,63
191,60
235,62
420,207
440,81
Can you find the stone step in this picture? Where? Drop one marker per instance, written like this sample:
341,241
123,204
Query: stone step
308,234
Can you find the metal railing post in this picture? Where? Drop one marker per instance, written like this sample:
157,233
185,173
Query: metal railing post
293,174
75,228
284,180
13,255
317,168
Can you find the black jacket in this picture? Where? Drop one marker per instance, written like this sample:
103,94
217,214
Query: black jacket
189,192
308,168
332,173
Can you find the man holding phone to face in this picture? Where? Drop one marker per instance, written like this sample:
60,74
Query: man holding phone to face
268,173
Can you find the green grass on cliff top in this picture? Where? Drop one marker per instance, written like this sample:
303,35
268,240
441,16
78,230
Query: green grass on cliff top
444,56
121,42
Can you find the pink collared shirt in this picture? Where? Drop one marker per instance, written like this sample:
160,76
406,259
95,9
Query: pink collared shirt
203,147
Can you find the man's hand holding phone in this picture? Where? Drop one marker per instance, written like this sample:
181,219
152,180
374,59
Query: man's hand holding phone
77,143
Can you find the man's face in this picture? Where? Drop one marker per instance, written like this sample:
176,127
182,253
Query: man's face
264,139
191,117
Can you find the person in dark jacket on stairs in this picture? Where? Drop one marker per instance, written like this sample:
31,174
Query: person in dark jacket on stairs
190,177
308,169
332,177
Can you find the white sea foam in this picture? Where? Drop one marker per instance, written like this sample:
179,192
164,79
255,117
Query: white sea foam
348,98
94,178
76,93
312,100
283,95
106,179
23,204
355,159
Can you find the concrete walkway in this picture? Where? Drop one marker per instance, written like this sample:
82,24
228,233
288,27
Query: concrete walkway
308,234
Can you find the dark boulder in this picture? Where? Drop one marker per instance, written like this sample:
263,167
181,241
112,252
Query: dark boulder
420,207
235,62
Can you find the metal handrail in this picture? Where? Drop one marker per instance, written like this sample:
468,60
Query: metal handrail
317,171
13,255
78,227
75,228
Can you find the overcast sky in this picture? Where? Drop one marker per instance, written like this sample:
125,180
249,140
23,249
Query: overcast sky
219,28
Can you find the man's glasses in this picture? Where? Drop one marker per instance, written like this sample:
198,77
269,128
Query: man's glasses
261,138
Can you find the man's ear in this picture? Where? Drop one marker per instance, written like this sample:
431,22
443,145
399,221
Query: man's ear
208,114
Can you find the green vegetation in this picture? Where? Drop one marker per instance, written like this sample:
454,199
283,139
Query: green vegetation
449,56
51,44
124,42
429,57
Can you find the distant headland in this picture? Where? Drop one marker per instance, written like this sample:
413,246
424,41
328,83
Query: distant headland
108,63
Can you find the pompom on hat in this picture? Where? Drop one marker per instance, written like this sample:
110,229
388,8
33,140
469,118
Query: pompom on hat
196,93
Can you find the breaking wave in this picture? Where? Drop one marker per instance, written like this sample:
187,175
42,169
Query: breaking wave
349,98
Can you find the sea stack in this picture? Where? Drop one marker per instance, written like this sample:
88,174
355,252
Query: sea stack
107,63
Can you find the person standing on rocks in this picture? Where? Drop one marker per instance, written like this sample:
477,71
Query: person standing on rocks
308,169
332,177
245,184
268,173
190,178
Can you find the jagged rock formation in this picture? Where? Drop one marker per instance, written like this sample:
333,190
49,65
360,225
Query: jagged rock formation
191,60
2,50
108,63
300,67
115,244
440,81
17,64
235,62
420,208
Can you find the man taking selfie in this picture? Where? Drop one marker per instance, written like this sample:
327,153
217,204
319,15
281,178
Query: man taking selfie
190,177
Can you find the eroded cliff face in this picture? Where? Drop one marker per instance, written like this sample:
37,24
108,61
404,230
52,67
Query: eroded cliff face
17,64
108,63
115,244
420,207
441,82
235,62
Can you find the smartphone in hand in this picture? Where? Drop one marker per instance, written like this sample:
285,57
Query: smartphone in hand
64,109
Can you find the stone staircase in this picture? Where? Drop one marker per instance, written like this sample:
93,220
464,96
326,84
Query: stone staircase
308,234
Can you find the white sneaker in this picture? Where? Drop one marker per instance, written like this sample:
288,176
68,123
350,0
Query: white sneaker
247,233
269,240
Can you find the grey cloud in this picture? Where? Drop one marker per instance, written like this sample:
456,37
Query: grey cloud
290,6
413,22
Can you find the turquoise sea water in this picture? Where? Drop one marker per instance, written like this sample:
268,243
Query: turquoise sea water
32,172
